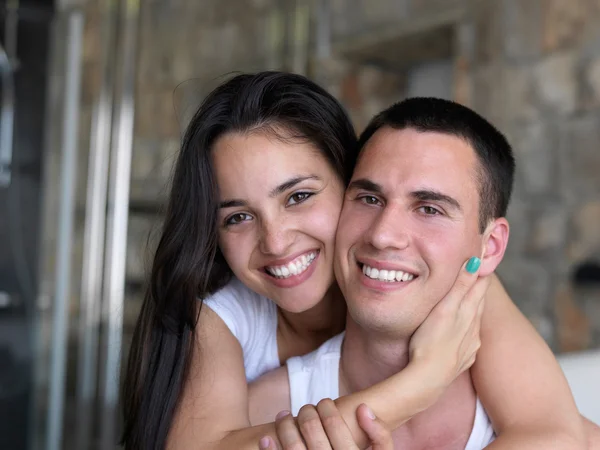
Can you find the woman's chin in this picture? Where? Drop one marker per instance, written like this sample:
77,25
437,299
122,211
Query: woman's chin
297,305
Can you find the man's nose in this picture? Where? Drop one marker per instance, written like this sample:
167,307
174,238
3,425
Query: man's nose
275,237
389,230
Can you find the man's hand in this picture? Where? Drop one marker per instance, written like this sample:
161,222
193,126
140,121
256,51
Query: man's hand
447,341
323,428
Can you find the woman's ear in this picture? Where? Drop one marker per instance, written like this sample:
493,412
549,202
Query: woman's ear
495,241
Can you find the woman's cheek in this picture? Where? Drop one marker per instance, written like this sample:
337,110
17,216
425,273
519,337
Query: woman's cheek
232,248
326,220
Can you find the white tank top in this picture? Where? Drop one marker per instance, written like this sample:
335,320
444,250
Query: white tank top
315,376
252,319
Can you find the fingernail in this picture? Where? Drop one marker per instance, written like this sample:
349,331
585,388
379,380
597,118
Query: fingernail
370,413
264,443
281,414
473,264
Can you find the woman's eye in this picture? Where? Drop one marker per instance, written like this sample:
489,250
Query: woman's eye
238,218
430,210
370,200
298,197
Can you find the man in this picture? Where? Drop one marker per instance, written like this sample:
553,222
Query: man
430,190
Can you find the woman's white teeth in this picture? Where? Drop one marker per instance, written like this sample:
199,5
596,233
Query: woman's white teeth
296,267
386,275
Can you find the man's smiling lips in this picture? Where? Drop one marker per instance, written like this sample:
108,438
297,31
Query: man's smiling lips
389,275
384,276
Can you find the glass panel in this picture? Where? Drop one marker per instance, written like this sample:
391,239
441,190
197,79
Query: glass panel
24,37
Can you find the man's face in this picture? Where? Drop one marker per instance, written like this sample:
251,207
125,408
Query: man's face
411,211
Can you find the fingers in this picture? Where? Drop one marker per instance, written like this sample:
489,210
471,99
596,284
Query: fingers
476,294
465,280
479,291
306,432
472,309
380,436
267,443
337,430
473,304
311,428
287,432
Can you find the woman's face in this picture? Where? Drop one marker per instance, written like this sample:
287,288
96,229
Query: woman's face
279,207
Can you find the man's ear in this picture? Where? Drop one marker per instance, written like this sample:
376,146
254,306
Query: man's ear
495,240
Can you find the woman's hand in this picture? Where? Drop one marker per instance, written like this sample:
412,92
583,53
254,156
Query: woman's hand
443,346
323,427
447,341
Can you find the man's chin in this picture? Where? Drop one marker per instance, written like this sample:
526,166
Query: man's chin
377,318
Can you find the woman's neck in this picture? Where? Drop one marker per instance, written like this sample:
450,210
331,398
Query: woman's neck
301,333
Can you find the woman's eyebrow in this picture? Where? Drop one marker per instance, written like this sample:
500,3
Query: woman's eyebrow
291,183
234,203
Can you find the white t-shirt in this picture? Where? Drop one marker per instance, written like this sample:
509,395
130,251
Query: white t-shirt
315,376
252,319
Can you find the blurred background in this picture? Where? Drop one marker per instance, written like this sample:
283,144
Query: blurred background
95,94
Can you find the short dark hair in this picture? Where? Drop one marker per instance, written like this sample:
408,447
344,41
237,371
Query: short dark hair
493,151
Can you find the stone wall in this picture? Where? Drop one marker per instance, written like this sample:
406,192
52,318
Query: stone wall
531,66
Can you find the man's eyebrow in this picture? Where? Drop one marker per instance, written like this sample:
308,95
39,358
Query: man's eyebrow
291,183
427,195
365,184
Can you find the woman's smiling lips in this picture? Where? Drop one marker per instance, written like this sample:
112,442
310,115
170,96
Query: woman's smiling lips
291,272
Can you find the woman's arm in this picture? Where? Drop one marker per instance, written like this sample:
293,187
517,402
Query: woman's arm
214,414
394,401
592,432
443,347
213,411
520,383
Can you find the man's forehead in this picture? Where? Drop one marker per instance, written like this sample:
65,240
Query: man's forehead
402,162
401,138
391,149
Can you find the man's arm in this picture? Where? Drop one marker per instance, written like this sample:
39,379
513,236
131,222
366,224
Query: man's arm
520,383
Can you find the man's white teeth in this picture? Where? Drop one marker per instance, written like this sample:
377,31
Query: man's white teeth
386,275
295,267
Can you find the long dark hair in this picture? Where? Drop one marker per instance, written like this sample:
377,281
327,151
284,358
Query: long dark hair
188,265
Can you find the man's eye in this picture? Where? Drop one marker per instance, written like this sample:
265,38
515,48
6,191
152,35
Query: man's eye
430,210
369,200
298,197
238,218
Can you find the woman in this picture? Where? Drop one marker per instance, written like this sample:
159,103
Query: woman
188,366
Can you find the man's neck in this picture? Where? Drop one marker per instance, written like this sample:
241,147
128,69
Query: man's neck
369,357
